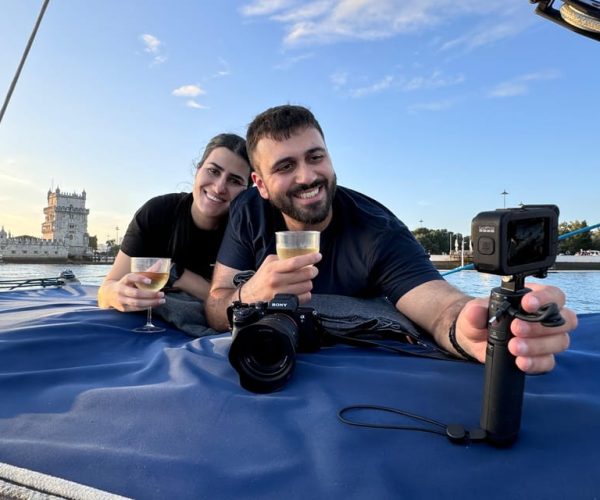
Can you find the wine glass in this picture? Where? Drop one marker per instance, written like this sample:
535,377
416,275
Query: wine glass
157,269
293,243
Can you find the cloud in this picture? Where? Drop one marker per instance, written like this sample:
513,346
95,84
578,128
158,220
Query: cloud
398,83
194,104
151,42
304,12
188,91
508,89
435,80
12,174
224,71
265,7
19,185
292,61
152,45
488,34
158,60
328,21
375,88
432,106
194,90
521,84
339,79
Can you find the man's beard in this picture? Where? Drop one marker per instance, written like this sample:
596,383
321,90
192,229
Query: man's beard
312,214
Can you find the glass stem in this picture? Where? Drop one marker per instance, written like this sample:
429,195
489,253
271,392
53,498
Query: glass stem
149,317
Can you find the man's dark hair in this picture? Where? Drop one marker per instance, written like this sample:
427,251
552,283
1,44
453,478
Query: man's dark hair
279,123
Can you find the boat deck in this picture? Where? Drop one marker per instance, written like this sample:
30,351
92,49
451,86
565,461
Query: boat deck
163,416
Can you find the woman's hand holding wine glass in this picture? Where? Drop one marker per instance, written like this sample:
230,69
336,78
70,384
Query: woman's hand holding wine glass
151,274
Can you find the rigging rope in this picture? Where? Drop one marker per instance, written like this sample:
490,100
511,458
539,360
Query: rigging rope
23,58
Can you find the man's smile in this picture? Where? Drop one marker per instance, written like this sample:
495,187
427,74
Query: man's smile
306,195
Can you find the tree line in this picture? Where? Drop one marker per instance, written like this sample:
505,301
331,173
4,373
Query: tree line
112,249
442,241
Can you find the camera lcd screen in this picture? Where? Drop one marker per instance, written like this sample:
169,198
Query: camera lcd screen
528,241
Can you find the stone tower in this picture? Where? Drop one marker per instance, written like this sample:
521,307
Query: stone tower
66,221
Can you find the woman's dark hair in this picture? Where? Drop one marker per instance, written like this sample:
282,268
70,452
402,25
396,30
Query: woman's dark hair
179,236
232,142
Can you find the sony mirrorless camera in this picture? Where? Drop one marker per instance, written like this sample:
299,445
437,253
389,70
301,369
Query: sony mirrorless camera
266,337
514,243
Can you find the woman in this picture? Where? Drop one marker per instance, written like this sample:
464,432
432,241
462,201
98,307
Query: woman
188,227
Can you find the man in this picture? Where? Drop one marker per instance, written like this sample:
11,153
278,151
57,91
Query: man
365,250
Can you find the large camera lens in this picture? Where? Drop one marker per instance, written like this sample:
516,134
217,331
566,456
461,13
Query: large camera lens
264,352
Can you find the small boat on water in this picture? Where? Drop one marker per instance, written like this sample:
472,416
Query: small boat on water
91,409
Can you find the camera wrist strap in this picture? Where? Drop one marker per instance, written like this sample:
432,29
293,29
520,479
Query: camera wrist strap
456,433
547,315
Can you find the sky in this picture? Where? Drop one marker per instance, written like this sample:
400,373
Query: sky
433,107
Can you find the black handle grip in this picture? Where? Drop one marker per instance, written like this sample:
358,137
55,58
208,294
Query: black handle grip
504,382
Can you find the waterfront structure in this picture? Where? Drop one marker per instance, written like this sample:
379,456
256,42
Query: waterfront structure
30,249
590,262
64,233
66,220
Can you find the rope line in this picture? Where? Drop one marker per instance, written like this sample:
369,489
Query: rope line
32,282
577,231
23,58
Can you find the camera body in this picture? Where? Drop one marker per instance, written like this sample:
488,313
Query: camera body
266,337
513,241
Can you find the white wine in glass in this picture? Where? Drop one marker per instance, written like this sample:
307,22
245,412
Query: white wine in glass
293,243
157,269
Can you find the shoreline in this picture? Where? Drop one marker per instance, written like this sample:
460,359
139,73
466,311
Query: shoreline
447,266
563,262
57,261
441,262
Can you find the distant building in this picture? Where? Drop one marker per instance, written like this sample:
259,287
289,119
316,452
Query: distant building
66,220
64,233
30,249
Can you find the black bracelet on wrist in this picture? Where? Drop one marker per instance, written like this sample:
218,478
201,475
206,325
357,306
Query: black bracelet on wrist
456,345
240,279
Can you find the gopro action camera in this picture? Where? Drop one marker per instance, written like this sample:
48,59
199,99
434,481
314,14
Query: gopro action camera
513,243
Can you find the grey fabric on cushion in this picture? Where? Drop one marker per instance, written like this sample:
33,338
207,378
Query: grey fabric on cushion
185,312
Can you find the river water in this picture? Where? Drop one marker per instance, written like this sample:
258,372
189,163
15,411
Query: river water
582,287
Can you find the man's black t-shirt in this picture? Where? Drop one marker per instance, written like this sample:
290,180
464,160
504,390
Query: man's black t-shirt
164,227
367,251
